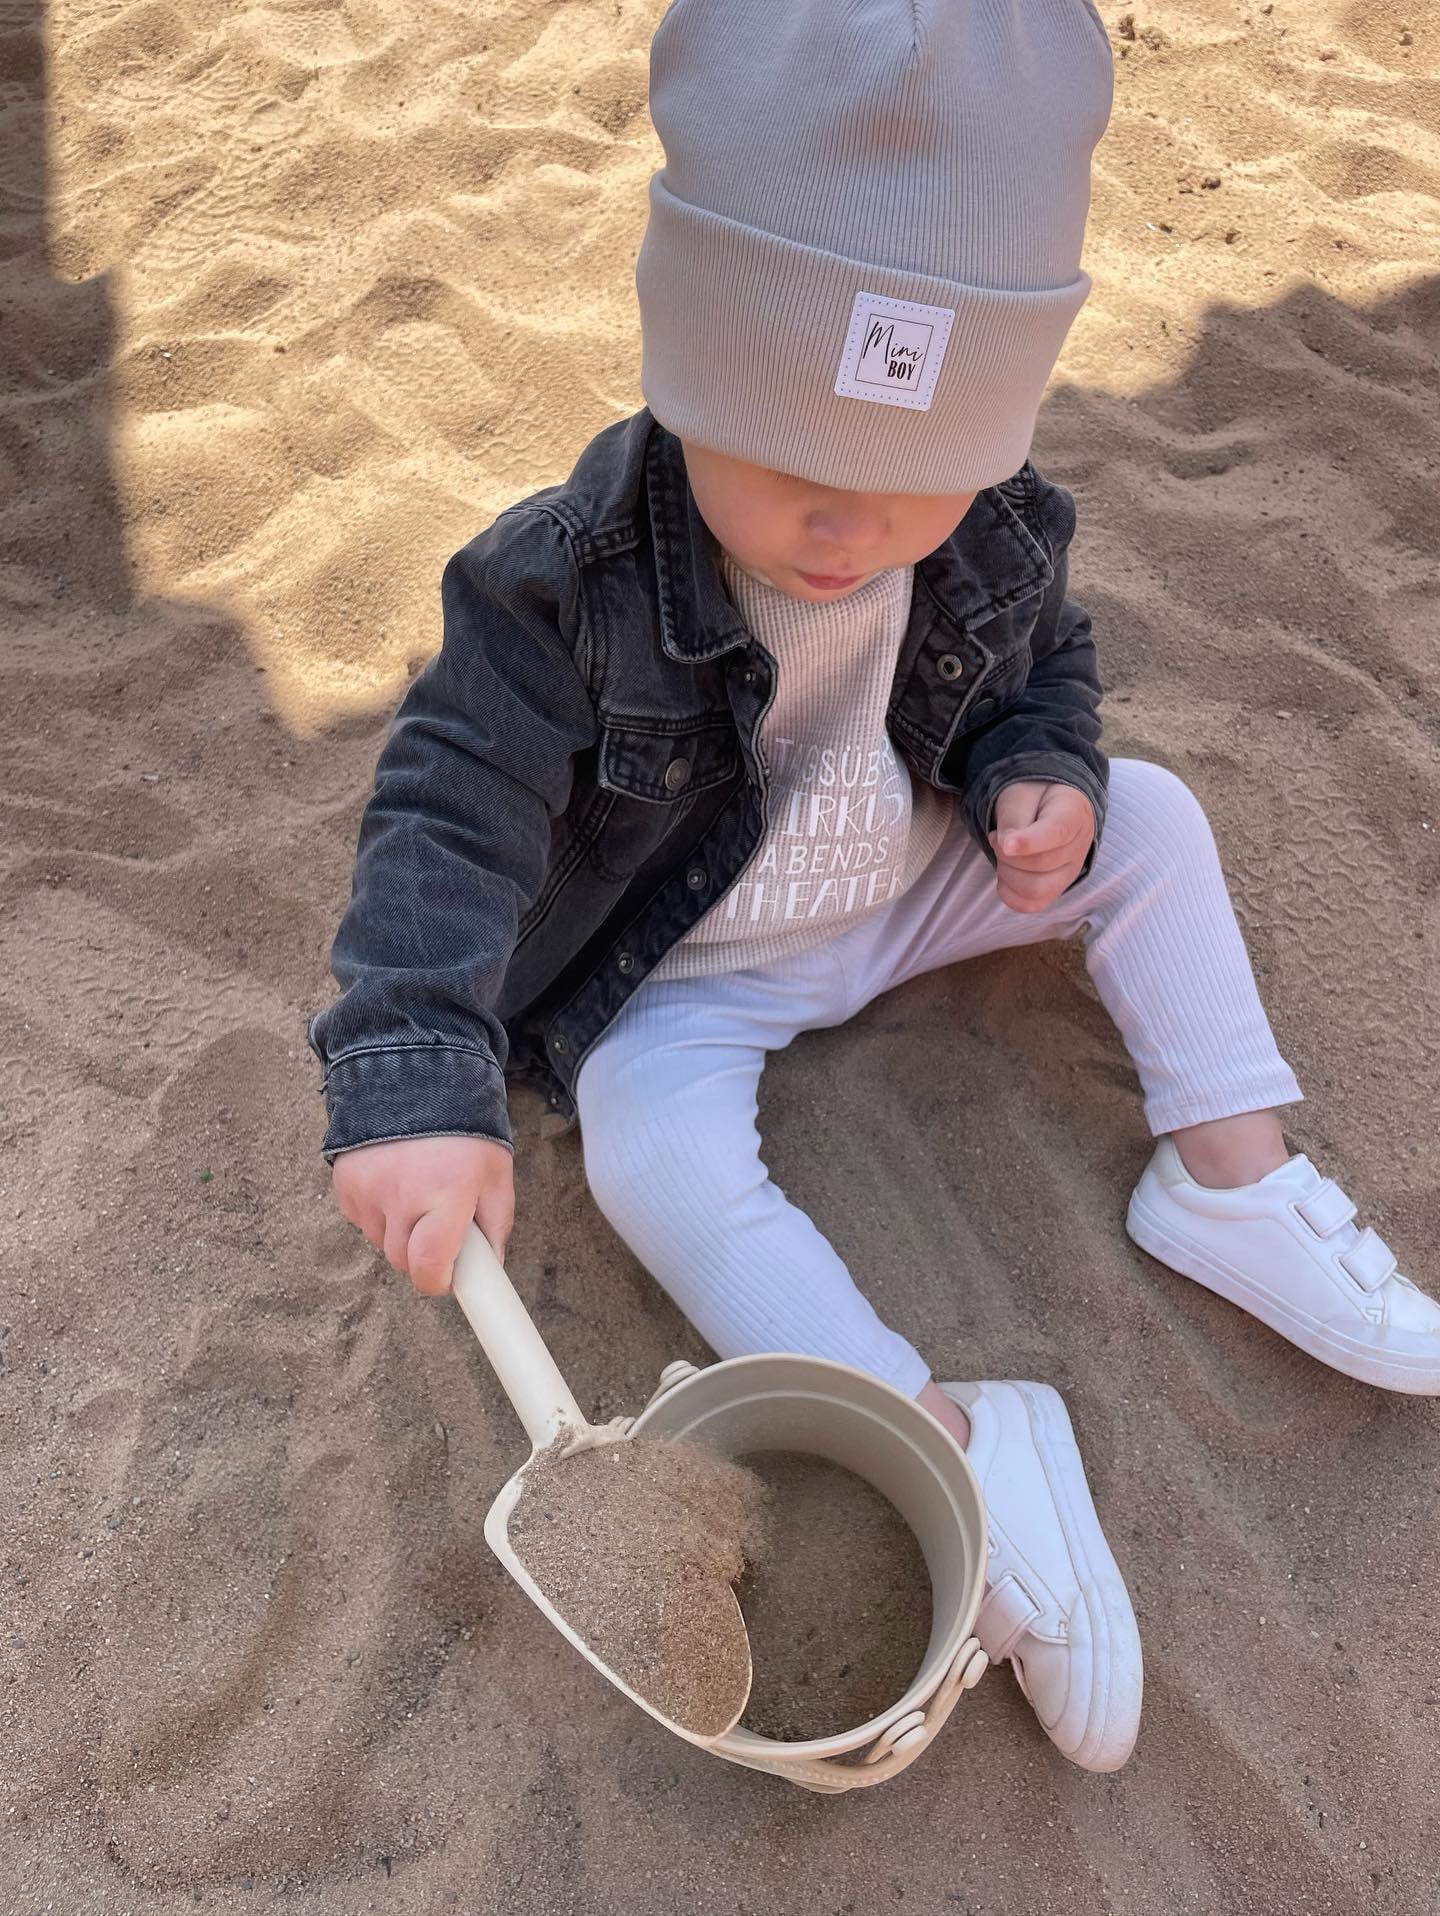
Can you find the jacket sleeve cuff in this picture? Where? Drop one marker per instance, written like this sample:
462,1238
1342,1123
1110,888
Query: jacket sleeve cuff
1055,768
414,1091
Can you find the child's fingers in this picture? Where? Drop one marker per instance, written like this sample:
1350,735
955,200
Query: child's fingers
1060,817
1030,891
435,1243
356,1204
362,1212
1053,860
1031,884
495,1214
1050,832
1071,810
399,1223
372,1223
1017,807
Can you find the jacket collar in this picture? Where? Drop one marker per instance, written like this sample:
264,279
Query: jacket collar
698,620
994,558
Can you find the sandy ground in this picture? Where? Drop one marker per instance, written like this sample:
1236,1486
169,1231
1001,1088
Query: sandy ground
294,298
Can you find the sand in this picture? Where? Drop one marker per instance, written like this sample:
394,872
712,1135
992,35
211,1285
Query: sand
836,1601
643,1548
639,1545
294,300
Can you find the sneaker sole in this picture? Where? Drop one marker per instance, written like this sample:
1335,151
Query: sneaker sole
1113,1719
1416,1376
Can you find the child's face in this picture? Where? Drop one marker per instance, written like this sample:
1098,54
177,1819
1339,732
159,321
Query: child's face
815,542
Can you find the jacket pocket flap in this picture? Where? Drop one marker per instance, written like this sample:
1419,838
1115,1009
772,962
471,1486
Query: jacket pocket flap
666,765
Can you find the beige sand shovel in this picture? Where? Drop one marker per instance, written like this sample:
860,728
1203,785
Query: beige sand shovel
773,1402
531,1380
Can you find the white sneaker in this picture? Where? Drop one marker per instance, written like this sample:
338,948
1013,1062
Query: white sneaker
1055,1602
1287,1251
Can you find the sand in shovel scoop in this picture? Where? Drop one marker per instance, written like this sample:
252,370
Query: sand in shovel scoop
637,1545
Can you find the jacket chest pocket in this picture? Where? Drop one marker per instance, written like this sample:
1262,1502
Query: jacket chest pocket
651,777
665,766
1002,686
988,673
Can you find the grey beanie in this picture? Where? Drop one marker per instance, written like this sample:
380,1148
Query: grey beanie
863,251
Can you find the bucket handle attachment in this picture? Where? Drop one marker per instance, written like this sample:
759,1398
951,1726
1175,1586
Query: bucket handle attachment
897,1747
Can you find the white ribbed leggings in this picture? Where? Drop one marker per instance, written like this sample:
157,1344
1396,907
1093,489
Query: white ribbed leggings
667,1098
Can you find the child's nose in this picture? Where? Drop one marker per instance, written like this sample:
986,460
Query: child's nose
850,529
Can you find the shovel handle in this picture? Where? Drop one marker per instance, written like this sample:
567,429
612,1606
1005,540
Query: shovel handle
528,1373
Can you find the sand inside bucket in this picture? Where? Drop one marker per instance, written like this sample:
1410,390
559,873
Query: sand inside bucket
637,1545
837,1604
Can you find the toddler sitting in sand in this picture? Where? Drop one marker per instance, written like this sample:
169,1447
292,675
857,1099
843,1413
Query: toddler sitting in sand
778,701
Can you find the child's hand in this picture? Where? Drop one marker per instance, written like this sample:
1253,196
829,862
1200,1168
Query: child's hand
413,1197
1042,834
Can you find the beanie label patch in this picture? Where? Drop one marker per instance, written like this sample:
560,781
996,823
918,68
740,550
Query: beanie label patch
893,351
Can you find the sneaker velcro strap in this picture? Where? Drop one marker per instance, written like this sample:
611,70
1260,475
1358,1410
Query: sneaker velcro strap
1006,1614
1369,1261
1326,1209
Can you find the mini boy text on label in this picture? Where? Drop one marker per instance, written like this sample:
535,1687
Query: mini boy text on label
893,351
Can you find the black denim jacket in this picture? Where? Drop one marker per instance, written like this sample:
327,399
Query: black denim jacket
574,779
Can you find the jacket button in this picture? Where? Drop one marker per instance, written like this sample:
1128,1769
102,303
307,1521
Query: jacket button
559,1044
948,666
677,774
696,879
625,963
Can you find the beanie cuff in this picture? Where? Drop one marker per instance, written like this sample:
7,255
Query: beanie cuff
744,335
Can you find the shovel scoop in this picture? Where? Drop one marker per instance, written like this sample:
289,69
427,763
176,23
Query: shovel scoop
545,1406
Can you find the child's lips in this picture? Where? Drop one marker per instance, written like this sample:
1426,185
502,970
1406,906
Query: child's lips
829,578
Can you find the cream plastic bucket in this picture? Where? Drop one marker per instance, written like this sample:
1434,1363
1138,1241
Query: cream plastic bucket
772,1402
824,1409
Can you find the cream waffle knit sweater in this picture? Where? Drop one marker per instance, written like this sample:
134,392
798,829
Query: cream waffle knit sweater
848,831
